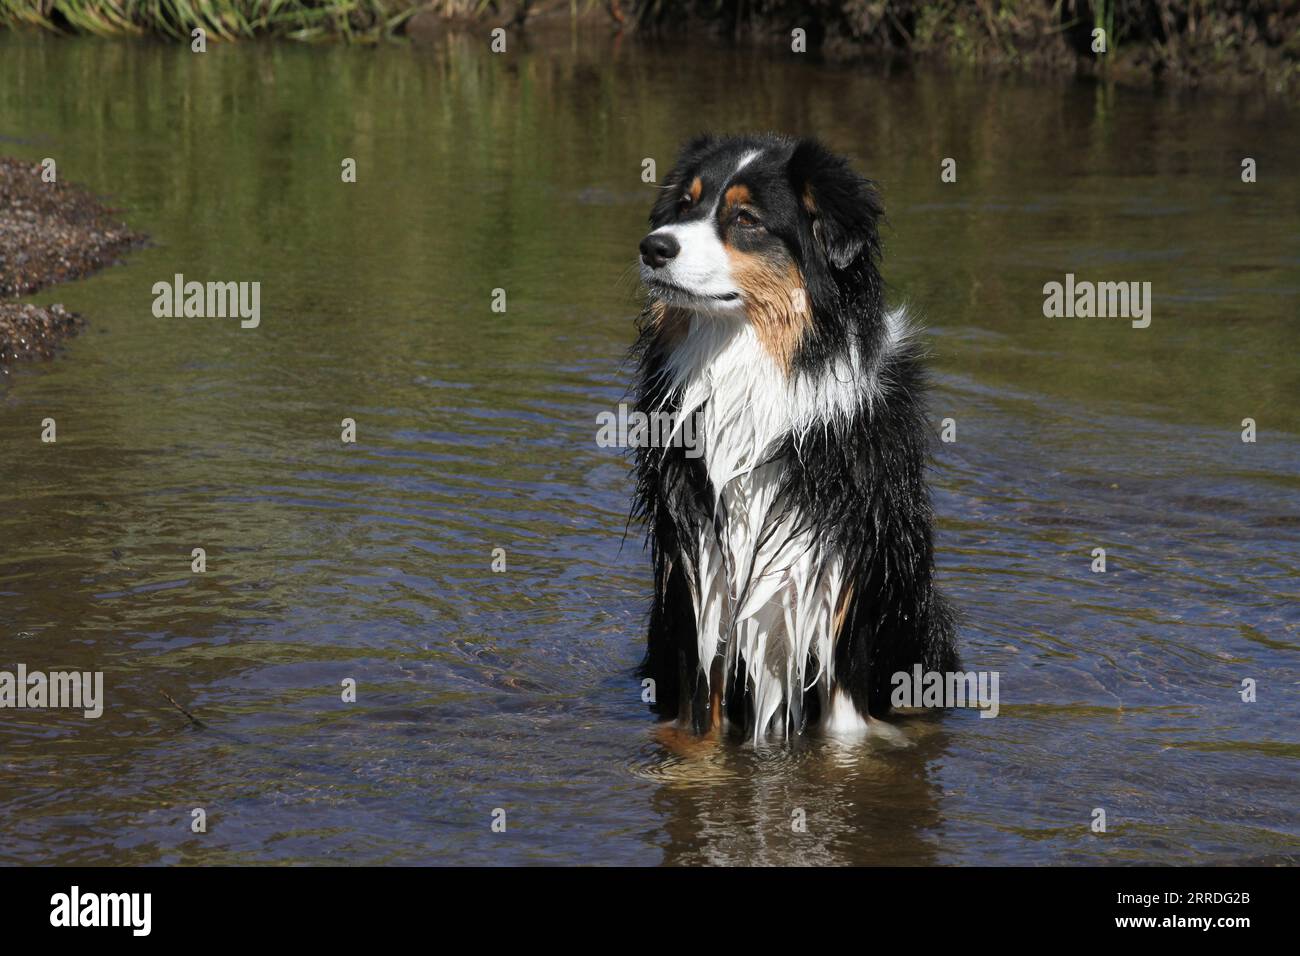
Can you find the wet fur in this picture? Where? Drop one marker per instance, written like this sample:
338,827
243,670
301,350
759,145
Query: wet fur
822,411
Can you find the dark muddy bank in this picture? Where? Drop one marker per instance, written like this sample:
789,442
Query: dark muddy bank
1219,44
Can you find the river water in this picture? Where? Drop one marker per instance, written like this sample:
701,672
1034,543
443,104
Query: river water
476,429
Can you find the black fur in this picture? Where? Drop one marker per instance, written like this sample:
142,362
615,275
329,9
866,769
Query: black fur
860,484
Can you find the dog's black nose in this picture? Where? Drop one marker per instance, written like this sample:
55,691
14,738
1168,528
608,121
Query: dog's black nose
657,248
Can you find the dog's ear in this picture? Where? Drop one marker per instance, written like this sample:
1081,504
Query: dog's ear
843,206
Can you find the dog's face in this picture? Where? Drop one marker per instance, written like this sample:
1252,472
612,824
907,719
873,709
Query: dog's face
759,226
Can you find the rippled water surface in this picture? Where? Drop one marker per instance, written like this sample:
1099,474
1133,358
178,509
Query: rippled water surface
476,431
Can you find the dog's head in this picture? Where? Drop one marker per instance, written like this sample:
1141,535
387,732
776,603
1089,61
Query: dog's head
772,229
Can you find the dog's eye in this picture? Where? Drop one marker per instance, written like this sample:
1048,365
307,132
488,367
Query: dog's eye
685,201
747,219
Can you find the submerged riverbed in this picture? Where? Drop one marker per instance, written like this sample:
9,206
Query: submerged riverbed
476,431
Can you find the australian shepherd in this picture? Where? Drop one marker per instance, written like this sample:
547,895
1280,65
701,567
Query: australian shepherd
792,548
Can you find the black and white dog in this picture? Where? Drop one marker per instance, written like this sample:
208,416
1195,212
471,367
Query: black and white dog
792,557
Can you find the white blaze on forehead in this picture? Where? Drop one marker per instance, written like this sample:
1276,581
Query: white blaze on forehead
702,266
745,160
748,158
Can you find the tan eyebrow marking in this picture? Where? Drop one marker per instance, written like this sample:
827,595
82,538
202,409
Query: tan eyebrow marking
697,187
735,196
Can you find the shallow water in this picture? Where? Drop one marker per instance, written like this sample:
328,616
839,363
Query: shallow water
514,690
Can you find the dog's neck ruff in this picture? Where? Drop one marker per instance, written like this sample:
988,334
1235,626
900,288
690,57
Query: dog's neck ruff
766,587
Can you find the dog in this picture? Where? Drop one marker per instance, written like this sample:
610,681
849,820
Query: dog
793,557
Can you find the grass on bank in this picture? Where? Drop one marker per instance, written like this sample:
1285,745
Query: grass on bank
220,19
1178,40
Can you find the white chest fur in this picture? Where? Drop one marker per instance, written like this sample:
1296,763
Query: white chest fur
766,590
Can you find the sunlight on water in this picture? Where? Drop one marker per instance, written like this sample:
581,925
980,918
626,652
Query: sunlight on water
476,431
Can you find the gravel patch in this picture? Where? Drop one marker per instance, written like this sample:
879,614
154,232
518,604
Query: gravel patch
49,232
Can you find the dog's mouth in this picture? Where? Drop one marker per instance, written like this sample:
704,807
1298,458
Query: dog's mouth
671,292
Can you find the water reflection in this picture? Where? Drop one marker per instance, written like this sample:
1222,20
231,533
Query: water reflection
477,431
815,802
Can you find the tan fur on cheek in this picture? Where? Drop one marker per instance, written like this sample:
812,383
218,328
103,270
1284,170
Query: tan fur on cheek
776,302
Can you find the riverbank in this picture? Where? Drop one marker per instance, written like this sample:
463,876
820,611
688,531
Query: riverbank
50,232
1219,44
